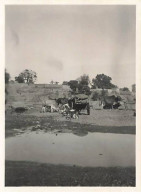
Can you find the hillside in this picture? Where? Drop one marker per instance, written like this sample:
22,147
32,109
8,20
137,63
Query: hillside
33,94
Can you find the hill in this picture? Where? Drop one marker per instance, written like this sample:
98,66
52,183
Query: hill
21,94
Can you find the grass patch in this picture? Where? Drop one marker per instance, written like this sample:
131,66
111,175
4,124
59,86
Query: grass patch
38,174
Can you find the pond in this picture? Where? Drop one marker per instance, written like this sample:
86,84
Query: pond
93,150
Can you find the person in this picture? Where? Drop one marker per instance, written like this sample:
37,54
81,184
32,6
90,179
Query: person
66,108
43,109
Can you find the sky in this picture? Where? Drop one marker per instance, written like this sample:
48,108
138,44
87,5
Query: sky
63,42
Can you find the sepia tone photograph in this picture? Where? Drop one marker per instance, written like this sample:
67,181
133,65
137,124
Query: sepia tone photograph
70,95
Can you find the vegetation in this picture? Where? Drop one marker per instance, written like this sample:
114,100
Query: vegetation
80,86
7,77
27,76
134,88
83,86
73,85
124,89
19,79
102,81
97,96
41,174
65,83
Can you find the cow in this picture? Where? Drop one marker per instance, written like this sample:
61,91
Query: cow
110,102
61,101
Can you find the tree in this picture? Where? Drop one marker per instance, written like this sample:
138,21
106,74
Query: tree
19,79
73,85
84,80
7,76
134,88
84,89
83,85
27,76
102,81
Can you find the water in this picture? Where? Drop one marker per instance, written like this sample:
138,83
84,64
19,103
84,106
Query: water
94,149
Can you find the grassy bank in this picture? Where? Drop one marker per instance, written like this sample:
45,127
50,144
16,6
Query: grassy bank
38,174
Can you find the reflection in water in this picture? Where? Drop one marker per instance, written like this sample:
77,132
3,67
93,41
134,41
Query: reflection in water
94,149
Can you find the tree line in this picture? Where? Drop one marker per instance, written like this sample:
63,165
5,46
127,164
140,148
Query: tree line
81,85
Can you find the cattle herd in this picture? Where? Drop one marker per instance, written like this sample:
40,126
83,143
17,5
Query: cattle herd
71,107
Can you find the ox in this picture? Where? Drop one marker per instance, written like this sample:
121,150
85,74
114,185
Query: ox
110,102
61,101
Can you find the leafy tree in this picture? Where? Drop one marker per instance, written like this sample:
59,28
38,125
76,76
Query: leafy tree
84,89
19,79
73,84
102,81
83,85
7,77
27,76
134,88
84,80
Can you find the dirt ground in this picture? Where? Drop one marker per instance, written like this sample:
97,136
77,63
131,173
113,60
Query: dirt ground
104,121
36,174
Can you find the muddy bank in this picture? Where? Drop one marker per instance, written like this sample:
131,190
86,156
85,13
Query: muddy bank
50,123
37,174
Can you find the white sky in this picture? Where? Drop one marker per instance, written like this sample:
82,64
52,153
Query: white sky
62,42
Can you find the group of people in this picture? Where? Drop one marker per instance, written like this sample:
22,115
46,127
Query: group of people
64,109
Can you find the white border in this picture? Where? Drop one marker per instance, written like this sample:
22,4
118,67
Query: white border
138,85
